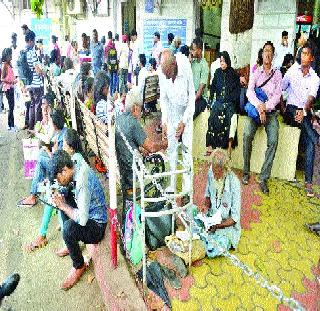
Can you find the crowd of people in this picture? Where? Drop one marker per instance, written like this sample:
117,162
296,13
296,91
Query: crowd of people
110,76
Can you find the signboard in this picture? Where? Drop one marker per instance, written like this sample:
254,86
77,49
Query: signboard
43,30
164,26
304,19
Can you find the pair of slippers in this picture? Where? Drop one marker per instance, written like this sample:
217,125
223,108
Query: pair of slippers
174,276
20,203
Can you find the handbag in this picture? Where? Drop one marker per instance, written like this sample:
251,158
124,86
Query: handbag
251,110
181,248
157,228
133,234
30,154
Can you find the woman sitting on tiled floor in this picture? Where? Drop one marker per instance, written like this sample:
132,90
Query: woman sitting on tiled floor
219,220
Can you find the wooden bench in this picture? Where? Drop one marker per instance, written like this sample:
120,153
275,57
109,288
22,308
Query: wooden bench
151,90
284,164
95,133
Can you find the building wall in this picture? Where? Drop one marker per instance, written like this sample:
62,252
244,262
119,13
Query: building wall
170,9
269,22
238,46
103,24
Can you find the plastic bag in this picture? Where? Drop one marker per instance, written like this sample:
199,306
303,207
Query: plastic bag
30,153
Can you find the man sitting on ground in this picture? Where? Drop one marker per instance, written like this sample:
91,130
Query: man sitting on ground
86,220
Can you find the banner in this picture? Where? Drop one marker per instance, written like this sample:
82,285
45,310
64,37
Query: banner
43,29
164,26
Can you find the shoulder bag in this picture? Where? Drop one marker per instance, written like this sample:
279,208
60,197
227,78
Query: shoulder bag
251,110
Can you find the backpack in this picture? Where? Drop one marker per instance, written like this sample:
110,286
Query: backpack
112,60
25,73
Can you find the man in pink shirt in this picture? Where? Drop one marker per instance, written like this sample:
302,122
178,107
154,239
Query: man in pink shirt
301,83
267,113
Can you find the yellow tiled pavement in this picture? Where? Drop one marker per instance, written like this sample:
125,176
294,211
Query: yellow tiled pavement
279,247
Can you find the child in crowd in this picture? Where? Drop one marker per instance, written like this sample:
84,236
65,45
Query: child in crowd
152,66
288,61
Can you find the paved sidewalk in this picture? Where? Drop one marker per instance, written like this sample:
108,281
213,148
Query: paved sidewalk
42,271
274,242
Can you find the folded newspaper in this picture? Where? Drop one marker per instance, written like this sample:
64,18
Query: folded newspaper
206,221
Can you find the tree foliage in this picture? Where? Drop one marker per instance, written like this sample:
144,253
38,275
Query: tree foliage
36,7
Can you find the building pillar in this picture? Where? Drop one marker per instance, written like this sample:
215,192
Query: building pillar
237,45
316,13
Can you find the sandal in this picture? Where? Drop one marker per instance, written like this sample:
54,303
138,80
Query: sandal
39,242
309,190
62,252
21,203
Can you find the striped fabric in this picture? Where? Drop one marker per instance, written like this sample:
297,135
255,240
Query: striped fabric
32,60
85,56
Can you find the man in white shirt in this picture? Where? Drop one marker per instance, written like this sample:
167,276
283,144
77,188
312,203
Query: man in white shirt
67,78
143,73
157,47
177,98
282,50
123,54
135,47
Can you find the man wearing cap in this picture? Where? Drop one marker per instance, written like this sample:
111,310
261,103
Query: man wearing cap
157,47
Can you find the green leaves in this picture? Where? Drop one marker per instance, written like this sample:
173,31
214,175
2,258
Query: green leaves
36,7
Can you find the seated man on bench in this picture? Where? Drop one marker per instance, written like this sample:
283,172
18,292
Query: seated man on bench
128,124
86,219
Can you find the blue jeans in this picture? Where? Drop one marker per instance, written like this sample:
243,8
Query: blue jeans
113,82
96,69
91,233
41,171
308,139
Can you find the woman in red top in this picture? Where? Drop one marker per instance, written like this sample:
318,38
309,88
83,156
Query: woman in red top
8,82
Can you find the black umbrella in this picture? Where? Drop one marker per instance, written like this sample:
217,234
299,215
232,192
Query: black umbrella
155,281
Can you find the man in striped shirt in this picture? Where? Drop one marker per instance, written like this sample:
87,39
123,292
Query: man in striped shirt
36,86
